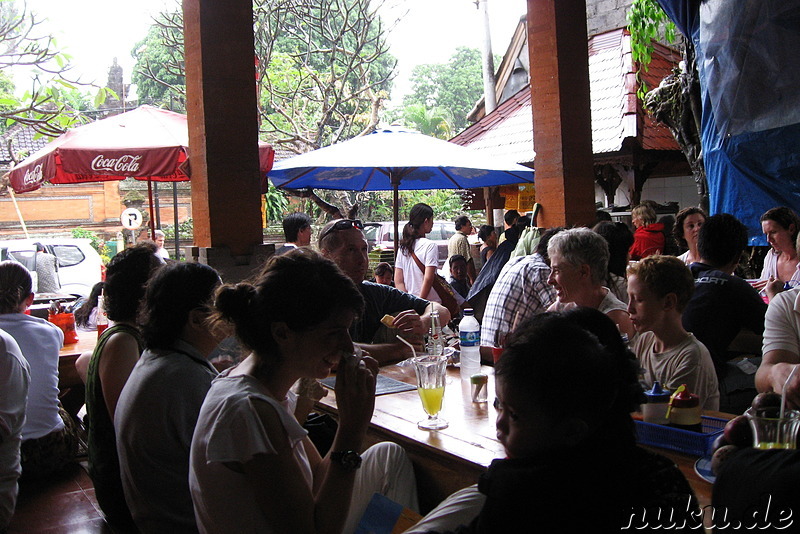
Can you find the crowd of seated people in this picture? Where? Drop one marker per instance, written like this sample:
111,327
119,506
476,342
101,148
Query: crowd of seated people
173,444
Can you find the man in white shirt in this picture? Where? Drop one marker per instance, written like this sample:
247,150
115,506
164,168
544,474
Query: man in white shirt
296,231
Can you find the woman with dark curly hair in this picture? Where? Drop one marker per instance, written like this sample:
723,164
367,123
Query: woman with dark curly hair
252,466
117,351
781,227
686,232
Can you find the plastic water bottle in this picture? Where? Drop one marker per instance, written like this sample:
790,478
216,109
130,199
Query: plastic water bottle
435,344
469,332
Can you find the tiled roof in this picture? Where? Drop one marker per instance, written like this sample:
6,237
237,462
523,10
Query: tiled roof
613,115
22,143
656,136
508,130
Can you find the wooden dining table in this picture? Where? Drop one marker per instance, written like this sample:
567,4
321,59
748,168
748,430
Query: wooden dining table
453,458
71,390
67,374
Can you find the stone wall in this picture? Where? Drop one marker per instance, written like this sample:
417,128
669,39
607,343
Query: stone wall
605,15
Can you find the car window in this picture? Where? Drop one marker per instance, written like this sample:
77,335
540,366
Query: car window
68,255
25,257
447,232
371,232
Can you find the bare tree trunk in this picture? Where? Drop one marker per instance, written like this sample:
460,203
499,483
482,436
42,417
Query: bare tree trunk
328,208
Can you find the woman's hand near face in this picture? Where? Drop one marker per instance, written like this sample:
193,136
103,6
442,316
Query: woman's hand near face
355,394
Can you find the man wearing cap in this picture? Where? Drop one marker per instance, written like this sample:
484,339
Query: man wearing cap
343,242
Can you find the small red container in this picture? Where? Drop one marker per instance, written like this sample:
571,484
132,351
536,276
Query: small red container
66,322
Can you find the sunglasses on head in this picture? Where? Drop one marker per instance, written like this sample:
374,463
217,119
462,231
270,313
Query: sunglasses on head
342,224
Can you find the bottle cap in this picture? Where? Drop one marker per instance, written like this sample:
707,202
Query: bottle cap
657,393
683,398
469,311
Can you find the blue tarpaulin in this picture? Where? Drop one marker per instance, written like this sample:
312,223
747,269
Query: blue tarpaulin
748,58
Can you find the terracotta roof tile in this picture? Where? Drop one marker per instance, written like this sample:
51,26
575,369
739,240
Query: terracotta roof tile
508,130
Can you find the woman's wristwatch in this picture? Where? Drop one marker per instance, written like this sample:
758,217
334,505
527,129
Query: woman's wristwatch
350,460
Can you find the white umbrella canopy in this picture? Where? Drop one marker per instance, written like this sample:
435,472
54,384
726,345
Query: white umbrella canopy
396,159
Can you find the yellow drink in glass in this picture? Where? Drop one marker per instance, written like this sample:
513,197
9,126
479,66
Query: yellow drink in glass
431,371
431,399
774,445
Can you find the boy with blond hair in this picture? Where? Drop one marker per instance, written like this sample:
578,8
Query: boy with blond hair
659,288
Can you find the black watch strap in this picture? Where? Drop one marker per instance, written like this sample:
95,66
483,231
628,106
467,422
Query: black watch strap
350,460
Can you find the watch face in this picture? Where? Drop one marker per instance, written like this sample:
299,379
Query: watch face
348,459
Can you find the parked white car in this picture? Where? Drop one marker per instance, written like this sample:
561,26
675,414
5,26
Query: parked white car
79,265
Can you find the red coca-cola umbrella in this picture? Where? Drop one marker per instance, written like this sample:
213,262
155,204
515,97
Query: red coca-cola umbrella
146,143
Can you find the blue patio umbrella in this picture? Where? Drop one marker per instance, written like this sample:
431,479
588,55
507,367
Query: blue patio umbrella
396,159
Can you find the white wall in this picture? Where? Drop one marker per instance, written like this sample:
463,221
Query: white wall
680,189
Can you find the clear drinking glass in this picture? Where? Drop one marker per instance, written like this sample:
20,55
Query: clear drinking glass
431,374
774,432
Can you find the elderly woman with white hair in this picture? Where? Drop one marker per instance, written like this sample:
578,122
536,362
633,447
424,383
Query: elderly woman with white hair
578,268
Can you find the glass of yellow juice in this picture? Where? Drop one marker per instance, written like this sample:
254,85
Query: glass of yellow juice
774,432
431,374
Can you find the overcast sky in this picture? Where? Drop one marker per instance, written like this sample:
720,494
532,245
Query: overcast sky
94,32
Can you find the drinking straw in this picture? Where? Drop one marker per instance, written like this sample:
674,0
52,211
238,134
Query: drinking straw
413,352
783,396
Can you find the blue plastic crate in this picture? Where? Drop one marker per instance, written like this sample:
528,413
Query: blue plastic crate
676,439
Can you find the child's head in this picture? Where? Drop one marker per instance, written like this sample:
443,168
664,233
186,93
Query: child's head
558,383
658,285
458,267
384,273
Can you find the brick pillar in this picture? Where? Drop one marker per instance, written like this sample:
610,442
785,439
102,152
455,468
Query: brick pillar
223,123
223,133
559,59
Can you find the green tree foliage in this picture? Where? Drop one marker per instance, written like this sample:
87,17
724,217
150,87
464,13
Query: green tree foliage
647,22
277,204
7,99
434,122
323,68
46,105
158,73
455,86
97,242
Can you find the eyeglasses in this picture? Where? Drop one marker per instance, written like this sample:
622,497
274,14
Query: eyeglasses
342,224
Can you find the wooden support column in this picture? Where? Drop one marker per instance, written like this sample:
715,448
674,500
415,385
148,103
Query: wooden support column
223,131
559,59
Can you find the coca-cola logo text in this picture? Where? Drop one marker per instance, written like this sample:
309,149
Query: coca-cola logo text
127,163
33,176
